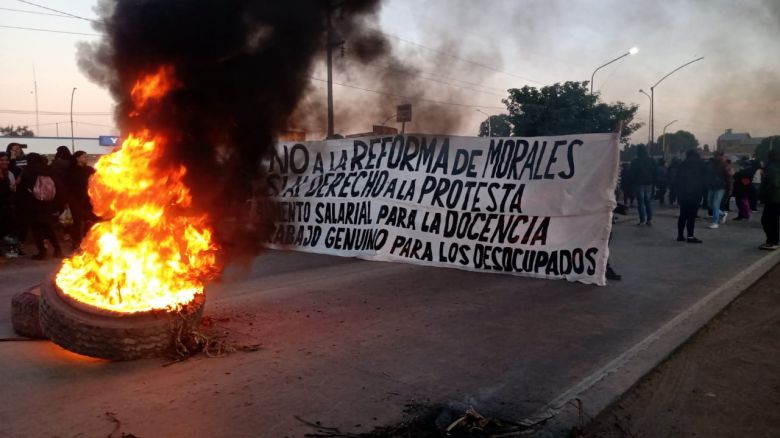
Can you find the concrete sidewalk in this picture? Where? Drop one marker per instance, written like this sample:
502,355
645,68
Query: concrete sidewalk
349,343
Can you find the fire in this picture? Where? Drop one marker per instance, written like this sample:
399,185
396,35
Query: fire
151,251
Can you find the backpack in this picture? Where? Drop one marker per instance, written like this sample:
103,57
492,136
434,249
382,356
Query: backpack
44,189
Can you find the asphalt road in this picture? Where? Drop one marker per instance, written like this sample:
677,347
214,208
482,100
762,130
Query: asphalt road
349,342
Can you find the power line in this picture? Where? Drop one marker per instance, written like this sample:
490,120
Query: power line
409,98
423,76
53,113
24,11
437,75
450,55
48,30
54,10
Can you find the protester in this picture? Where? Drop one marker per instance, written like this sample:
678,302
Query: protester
718,180
689,184
59,168
661,180
626,185
8,238
78,200
725,203
36,194
743,184
643,177
673,169
18,159
756,186
770,196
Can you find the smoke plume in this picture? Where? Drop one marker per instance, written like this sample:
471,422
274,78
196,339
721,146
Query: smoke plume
242,69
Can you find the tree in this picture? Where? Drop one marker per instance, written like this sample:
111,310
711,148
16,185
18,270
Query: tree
679,142
500,126
566,108
762,150
16,131
706,149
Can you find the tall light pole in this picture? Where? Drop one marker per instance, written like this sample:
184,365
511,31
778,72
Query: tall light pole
649,135
490,130
72,140
631,51
664,137
652,94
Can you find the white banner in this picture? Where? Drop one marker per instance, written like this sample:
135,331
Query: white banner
538,207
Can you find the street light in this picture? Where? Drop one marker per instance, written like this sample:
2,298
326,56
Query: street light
490,131
649,135
652,94
72,141
631,51
664,136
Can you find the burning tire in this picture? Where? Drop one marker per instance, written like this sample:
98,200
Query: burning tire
112,335
25,314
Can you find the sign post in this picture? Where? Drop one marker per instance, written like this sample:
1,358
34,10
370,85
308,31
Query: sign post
403,115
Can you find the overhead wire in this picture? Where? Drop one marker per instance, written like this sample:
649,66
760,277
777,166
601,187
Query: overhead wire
56,10
24,11
54,113
410,98
424,76
48,30
468,61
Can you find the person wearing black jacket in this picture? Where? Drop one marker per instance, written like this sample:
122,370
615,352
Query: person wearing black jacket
39,213
643,178
78,199
689,183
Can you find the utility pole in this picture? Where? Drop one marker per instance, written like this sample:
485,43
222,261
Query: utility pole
35,87
72,140
329,56
330,44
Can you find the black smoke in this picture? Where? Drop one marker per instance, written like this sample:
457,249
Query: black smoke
242,67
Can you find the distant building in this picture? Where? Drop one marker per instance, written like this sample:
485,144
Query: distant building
739,144
48,145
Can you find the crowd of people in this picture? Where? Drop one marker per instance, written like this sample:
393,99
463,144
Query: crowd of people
693,184
45,201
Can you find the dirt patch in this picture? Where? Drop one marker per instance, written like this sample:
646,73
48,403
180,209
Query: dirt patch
724,382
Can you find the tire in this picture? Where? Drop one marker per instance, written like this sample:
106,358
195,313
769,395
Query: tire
24,313
111,335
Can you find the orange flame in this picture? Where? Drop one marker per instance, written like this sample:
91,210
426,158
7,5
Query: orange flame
152,251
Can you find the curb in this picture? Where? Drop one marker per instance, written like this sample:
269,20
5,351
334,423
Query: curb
576,406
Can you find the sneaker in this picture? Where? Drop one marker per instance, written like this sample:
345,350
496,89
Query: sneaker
769,247
649,223
713,226
680,239
612,275
693,240
640,225
723,218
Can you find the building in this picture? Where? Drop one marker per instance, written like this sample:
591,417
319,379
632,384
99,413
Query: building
48,145
739,144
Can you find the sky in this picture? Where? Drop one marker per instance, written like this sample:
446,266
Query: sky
465,55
